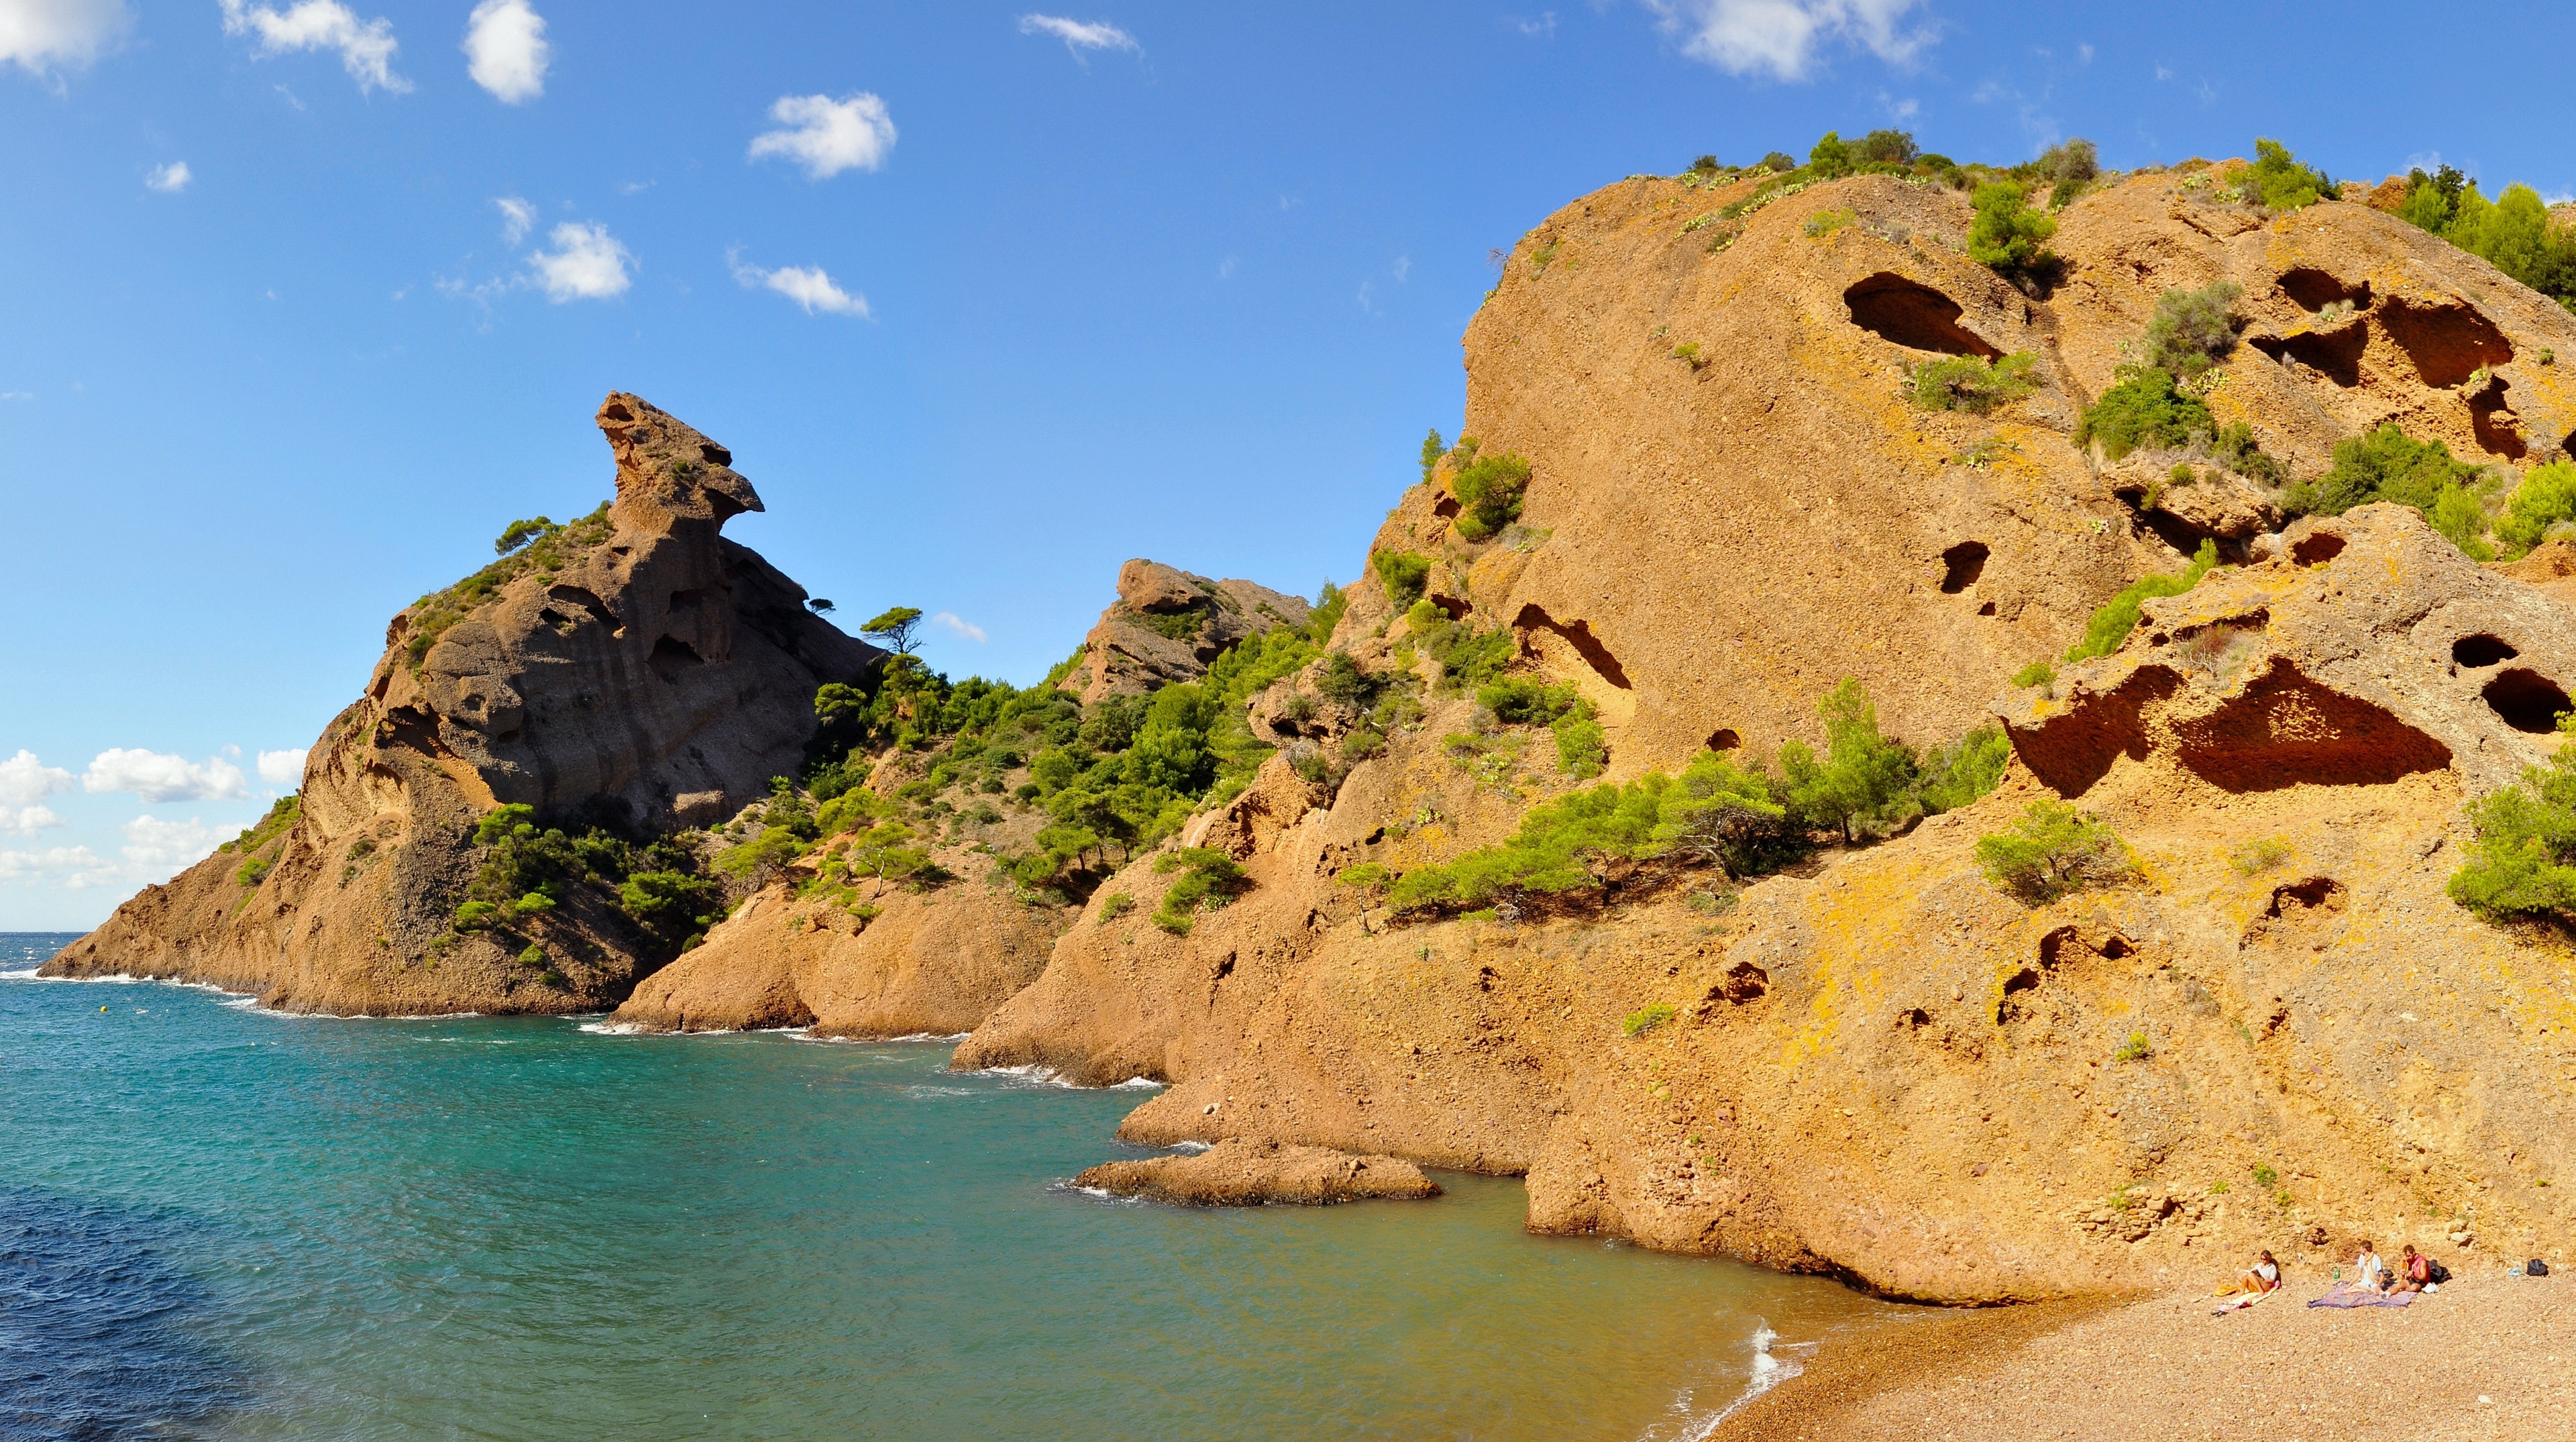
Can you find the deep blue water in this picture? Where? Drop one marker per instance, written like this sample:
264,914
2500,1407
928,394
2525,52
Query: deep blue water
222,1223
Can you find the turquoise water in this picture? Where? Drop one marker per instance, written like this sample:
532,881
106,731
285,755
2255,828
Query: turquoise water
217,1222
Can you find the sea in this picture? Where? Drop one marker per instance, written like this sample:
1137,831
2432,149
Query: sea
222,1222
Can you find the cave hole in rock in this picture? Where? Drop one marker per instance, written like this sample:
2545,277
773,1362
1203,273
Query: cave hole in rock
672,656
617,411
2316,548
2492,421
1577,634
1911,314
1961,565
1987,609
2314,289
1913,1018
2482,650
1456,608
1744,982
2312,894
2334,354
1447,507
2118,947
1724,739
2011,1009
2447,341
2527,701
715,454
2284,728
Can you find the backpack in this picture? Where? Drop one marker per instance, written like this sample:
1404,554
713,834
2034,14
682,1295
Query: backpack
2437,1274
2537,1268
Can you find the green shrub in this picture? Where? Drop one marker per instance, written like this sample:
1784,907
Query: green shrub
2234,447
1342,680
2523,863
1367,876
1582,747
2142,409
1865,784
2136,1048
1519,701
2053,850
2118,616
2007,235
1563,845
1489,490
1973,384
1826,222
1964,770
2281,182
475,915
2192,330
253,871
283,813
2037,673
520,533
535,903
1723,815
2264,1176
2388,465
1829,158
2261,854
1645,1019
1404,574
2546,497
1689,351
1209,878
1115,905
535,955
1433,448
1886,147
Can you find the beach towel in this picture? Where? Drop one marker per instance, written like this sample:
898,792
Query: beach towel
2353,1294
2239,1301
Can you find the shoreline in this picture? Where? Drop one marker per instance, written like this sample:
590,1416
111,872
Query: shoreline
2489,1357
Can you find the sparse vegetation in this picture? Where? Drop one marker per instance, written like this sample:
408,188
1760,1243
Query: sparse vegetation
2112,623
1209,879
2389,465
2008,235
2523,863
1404,574
1115,905
1489,490
2280,182
2136,1048
2051,851
1646,1018
2037,673
2259,855
2192,330
2142,409
541,551
1826,222
283,813
2264,1176
1688,352
2545,499
1972,383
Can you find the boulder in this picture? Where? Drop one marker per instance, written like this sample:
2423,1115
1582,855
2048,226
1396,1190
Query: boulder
1167,625
1240,1174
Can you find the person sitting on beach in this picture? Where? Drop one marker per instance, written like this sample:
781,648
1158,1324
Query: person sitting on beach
2255,1280
2368,1270
2414,1271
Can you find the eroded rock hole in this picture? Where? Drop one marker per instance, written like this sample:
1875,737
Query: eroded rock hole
2528,701
2118,947
617,411
2481,651
1961,565
1744,982
2286,729
671,656
2334,354
1987,609
1891,307
1447,507
1452,606
1724,739
1577,634
2447,342
2309,895
1914,1018
2020,982
576,596
715,454
2314,289
2492,421
2316,548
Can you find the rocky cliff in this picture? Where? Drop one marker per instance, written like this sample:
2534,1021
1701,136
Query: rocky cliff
634,671
1167,625
1878,1064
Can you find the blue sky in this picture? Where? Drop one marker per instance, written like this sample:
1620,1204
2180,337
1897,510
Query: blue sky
300,303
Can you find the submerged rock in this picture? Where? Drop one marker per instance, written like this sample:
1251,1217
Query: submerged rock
1246,1174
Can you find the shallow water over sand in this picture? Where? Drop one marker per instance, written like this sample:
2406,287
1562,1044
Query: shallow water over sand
216,1222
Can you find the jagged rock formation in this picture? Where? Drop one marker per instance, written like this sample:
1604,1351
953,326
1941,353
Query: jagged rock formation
1167,625
1241,1174
1880,1065
639,671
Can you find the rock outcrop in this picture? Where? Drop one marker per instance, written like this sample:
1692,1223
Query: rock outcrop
1880,1065
634,670
1167,625
1242,1174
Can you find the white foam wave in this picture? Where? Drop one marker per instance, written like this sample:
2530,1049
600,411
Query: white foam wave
28,975
1038,1074
1193,1148
613,1028
1138,1084
926,1092
1768,1372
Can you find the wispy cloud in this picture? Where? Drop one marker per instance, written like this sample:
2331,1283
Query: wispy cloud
518,217
157,776
41,34
1543,28
951,621
1225,268
169,179
587,263
828,136
1079,35
1782,37
506,50
74,862
808,286
366,47
1403,268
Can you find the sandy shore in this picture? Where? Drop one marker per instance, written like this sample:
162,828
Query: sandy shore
2489,1357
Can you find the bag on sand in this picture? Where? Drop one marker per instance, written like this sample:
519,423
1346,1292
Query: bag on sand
2437,1274
2536,1268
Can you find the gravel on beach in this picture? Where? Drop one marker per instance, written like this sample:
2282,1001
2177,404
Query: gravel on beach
2487,1357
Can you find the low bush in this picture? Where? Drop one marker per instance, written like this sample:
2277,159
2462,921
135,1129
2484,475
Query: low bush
1582,747
1519,701
2052,851
1489,491
1973,384
2523,862
2546,498
2117,617
1115,905
1964,770
2280,182
2192,330
1209,878
2007,234
283,813
2037,673
2136,1048
2234,447
1342,680
1646,1018
2388,465
1404,574
253,871
1826,222
2261,854
2142,409
1433,448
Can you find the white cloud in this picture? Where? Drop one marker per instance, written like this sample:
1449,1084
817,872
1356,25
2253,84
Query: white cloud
828,136
17,395
24,780
2084,54
506,50
40,34
1079,36
155,776
951,621
52,860
282,768
587,263
27,820
1225,268
366,46
517,219
2162,73
1403,267
169,179
1543,28
1781,36
156,850
806,285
